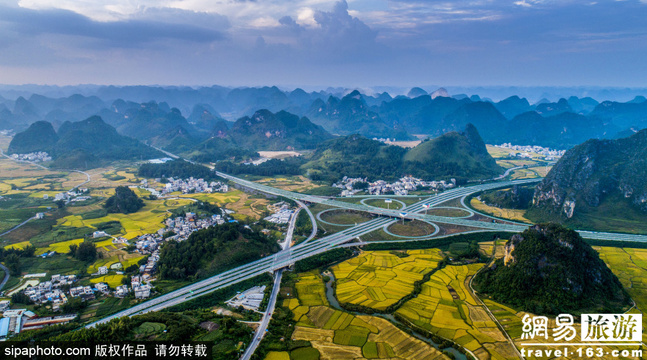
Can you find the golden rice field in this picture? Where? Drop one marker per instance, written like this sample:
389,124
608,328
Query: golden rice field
511,214
236,200
340,335
630,266
147,220
378,279
115,256
447,308
295,183
113,280
62,247
277,355
507,164
541,170
523,174
21,245
511,321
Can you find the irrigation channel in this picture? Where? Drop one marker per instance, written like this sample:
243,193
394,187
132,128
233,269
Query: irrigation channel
330,295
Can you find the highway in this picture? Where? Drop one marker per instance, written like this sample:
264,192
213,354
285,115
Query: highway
6,276
278,274
301,251
314,247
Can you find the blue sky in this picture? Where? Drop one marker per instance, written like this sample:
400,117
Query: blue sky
324,43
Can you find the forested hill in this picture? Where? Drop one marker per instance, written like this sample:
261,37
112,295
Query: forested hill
461,155
600,178
277,131
549,269
213,250
81,145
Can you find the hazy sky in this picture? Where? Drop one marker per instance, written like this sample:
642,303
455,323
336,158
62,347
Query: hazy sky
327,43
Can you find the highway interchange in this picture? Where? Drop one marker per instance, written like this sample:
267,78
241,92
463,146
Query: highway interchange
347,237
313,247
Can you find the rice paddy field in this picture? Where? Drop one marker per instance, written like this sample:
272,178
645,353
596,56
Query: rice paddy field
447,308
337,334
524,174
244,205
510,214
292,183
498,152
112,280
378,279
630,266
147,220
60,247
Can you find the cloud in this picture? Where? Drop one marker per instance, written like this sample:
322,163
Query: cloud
359,42
153,25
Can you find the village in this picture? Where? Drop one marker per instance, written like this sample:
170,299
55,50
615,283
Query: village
185,186
39,156
526,151
402,187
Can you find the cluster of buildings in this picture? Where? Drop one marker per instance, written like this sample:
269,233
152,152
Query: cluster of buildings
186,186
149,244
527,150
74,195
14,321
347,185
51,291
181,227
400,188
281,213
33,157
250,299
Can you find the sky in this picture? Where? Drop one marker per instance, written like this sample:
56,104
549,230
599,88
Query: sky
349,43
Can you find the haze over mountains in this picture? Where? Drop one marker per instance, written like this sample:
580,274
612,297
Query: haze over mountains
148,113
217,123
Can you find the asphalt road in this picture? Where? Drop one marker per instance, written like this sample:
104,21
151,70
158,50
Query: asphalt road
6,276
313,247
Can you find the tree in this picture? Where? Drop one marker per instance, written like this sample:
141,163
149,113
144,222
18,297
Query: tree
13,264
86,251
124,201
20,298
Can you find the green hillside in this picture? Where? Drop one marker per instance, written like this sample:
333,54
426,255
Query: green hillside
81,145
600,185
459,155
549,269
40,136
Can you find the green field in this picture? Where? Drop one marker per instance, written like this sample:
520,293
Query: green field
411,228
449,212
345,217
381,204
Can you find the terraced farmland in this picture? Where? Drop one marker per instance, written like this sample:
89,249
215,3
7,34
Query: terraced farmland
511,214
630,266
445,307
378,279
147,220
337,334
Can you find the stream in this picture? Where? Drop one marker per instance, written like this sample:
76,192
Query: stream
330,295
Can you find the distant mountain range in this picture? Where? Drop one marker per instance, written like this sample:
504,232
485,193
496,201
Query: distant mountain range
159,114
80,145
597,179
